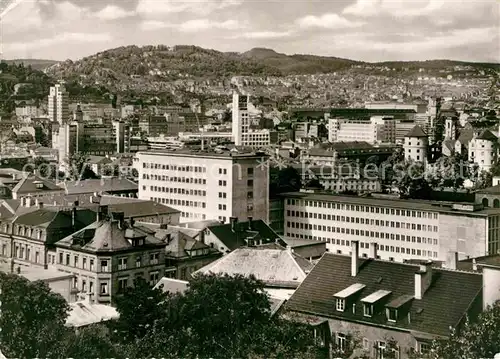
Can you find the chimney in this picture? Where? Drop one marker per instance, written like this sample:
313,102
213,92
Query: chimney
120,218
373,250
423,279
452,260
474,264
23,201
233,221
40,204
29,202
202,236
354,258
250,223
73,217
102,213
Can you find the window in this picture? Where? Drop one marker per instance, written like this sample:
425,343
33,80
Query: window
67,259
423,348
154,277
250,171
91,264
380,348
104,289
366,345
138,261
340,305
75,263
153,258
122,263
122,284
341,342
368,310
37,257
84,263
392,315
104,266
91,287
61,258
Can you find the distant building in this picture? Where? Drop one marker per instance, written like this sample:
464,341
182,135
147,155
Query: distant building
58,104
483,150
243,133
416,144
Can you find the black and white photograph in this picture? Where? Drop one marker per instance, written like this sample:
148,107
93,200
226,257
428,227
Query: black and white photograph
250,179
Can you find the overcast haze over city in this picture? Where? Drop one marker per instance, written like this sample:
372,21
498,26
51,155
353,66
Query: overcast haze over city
370,30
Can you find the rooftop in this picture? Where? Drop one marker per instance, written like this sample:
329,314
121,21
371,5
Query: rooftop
172,285
34,184
275,267
237,237
416,131
208,153
99,185
444,304
84,313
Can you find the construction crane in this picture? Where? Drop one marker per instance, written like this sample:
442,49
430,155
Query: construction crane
6,6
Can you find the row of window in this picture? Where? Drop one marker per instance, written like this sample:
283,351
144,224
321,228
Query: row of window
88,264
157,166
361,220
176,190
179,202
361,232
192,180
22,252
361,208
23,231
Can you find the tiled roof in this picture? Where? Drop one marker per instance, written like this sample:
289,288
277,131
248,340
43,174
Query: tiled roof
490,190
233,240
443,305
274,267
29,185
107,236
99,185
450,144
54,218
416,131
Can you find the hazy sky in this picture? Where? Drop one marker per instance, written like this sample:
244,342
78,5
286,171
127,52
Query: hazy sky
370,30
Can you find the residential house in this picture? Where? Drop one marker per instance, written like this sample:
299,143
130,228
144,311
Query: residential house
380,301
35,186
28,233
109,254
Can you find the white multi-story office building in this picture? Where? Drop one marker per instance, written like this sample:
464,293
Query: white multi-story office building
206,185
243,134
349,130
58,104
403,229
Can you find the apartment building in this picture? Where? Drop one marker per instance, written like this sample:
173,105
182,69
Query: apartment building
107,255
403,229
206,184
350,130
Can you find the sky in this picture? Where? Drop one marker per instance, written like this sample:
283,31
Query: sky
368,30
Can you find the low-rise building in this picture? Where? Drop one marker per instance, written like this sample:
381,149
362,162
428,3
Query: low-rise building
35,186
109,254
379,302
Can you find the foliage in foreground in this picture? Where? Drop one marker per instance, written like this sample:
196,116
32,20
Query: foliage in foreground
218,316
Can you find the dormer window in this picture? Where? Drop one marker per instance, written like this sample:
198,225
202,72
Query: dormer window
368,310
392,314
340,305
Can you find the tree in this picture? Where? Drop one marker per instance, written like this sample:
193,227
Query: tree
139,307
93,341
32,319
450,171
314,183
411,181
43,167
388,169
479,339
78,167
284,180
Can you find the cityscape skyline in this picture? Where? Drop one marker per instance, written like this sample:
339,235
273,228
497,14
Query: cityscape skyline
366,30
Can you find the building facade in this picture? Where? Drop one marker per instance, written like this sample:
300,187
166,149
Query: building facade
206,185
58,104
243,134
415,146
403,229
